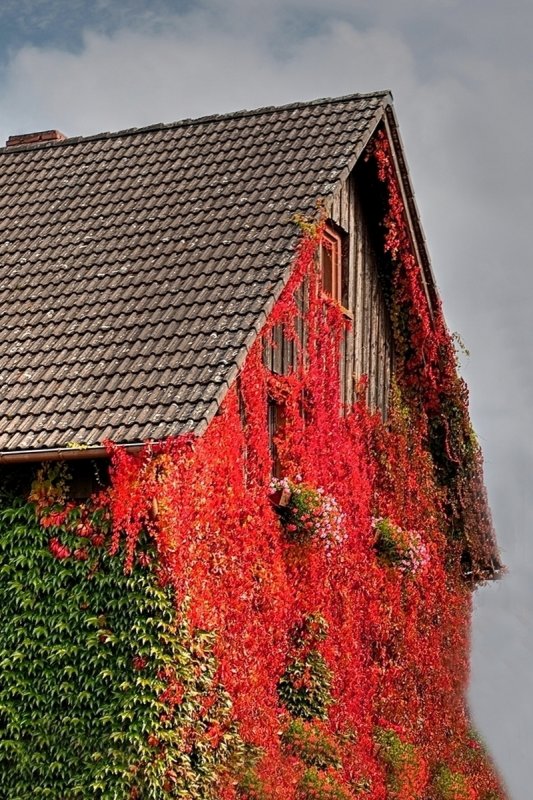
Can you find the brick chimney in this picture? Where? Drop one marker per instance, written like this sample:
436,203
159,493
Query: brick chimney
35,138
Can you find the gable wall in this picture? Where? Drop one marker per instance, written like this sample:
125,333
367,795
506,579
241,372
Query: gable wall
368,347
367,358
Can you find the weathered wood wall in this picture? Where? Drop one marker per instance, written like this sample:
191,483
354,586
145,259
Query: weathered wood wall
367,347
279,352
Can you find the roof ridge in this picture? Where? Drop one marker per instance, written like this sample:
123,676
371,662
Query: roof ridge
191,121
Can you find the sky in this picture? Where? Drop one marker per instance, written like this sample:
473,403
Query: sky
461,75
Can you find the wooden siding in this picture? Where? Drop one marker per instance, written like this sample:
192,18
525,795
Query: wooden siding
367,349
280,354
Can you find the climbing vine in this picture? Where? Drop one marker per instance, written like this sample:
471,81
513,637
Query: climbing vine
198,630
427,372
106,689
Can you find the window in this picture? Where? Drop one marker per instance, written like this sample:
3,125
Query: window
276,423
331,264
87,477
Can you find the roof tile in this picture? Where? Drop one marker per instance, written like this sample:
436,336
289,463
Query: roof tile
135,266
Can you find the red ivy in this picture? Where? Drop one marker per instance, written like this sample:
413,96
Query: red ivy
397,646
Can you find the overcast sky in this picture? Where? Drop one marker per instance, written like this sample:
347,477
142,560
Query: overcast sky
462,78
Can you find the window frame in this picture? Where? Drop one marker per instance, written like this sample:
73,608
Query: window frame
334,242
331,251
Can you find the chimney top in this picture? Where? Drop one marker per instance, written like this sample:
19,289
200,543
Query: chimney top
35,138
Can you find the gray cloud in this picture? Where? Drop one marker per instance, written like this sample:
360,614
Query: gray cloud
131,78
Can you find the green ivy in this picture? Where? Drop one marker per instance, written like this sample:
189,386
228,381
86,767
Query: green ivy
388,544
305,686
395,754
450,785
312,628
315,785
86,656
311,744
250,786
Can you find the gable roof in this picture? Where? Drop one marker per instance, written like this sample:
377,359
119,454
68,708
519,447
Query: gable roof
136,268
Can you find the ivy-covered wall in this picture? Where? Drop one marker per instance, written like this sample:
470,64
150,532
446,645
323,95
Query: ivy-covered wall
101,681
199,630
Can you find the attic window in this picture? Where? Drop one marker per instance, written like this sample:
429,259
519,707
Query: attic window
331,265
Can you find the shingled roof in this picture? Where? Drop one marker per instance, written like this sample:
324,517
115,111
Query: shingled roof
136,268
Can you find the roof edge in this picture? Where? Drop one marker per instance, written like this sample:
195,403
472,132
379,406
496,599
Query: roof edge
372,127
190,121
413,215
62,453
385,115
249,342
98,451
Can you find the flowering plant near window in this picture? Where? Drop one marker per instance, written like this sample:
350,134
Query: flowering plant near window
307,513
399,548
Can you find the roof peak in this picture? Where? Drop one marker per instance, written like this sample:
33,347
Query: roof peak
384,94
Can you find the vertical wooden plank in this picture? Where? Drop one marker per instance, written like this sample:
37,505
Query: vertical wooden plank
352,266
299,325
376,309
277,355
367,319
386,365
352,251
383,362
390,366
335,210
371,324
342,371
378,366
358,288
303,305
340,220
345,206
267,354
287,363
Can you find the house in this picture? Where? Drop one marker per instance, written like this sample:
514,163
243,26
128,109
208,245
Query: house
240,312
